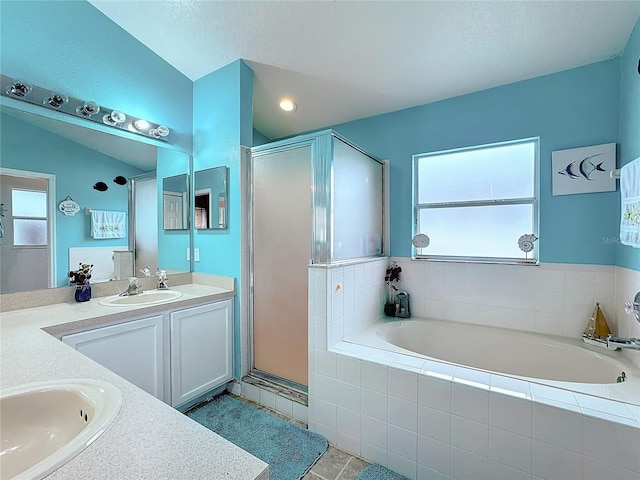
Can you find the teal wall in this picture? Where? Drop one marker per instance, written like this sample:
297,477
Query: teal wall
574,108
77,169
629,140
223,121
71,47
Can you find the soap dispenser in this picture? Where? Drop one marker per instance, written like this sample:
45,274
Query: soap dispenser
402,305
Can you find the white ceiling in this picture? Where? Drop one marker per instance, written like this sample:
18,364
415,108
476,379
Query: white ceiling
344,60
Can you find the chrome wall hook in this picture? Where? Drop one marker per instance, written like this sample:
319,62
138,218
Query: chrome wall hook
633,307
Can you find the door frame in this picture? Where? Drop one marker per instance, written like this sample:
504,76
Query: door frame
51,215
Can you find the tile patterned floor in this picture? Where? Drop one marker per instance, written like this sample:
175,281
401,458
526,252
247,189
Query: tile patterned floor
334,464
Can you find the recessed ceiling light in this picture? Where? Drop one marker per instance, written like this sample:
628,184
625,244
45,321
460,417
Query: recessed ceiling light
288,105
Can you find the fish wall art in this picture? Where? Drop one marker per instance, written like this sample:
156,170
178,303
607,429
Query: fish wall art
584,170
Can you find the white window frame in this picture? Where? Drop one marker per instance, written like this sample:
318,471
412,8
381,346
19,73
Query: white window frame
25,217
531,258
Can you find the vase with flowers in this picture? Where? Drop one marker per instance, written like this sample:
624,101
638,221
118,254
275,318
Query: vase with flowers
392,276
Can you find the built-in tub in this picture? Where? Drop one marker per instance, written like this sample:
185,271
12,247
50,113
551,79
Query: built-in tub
557,361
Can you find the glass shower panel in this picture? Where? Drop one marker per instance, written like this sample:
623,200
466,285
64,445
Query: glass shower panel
357,203
282,225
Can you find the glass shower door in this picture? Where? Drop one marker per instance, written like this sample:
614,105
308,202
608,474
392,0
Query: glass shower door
282,226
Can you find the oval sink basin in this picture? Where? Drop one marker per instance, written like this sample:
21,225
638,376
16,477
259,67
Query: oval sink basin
43,425
149,297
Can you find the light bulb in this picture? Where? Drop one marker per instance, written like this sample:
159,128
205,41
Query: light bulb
288,105
88,108
159,131
19,88
114,118
141,125
56,100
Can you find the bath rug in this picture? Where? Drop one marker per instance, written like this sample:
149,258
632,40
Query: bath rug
289,450
378,472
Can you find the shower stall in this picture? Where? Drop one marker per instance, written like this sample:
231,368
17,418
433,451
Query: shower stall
315,199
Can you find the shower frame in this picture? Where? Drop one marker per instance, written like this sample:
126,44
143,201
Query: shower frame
321,210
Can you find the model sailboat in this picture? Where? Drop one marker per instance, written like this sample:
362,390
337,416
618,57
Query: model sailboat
597,329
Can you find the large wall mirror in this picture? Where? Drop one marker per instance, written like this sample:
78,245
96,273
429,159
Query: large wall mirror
50,160
210,198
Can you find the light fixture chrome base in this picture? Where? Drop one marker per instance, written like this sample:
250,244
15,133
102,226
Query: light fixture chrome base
88,110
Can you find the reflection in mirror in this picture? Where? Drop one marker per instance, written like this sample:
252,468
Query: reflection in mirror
210,198
175,202
44,153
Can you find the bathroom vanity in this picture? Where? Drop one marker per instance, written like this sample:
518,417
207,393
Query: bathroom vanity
185,343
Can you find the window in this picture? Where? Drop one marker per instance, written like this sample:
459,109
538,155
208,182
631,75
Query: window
475,203
29,212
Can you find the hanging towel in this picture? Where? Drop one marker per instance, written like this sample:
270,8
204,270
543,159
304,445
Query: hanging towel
630,204
106,224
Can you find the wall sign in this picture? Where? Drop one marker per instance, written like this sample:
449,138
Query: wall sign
68,206
584,170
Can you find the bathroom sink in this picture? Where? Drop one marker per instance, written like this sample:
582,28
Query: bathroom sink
43,425
148,297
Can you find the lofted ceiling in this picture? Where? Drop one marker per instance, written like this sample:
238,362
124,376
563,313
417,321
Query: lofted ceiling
345,60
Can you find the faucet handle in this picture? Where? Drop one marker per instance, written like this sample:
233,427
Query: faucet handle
630,307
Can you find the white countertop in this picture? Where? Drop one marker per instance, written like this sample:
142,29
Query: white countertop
148,439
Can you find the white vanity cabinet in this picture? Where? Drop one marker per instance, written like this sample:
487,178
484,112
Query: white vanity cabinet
134,350
201,350
175,356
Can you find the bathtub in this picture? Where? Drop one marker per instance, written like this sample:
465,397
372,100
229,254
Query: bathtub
541,359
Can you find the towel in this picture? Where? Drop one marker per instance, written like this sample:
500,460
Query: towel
106,224
630,205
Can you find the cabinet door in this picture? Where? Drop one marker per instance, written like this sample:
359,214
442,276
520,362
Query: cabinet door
201,350
134,350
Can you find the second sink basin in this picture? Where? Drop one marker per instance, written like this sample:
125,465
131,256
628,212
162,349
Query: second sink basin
45,424
148,297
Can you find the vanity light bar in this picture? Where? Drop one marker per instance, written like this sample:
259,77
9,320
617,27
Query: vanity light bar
21,90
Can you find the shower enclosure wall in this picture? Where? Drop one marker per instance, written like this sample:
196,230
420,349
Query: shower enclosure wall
315,199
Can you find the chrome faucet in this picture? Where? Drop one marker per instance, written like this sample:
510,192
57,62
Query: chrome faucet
619,342
134,288
162,279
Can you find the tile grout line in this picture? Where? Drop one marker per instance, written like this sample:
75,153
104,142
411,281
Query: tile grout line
344,468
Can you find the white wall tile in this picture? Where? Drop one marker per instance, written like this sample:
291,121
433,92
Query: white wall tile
434,454
594,469
498,471
403,414
374,431
326,363
348,422
325,413
373,376
434,423
348,395
403,384
613,443
470,435
251,392
349,444
470,402
284,406
468,466
268,399
557,427
555,463
300,412
402,465
510,449
325,388
348,370
403,442
327,432
374,404
426,473
373,453
510,413
434,393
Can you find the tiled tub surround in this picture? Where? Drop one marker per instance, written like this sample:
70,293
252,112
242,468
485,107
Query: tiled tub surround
429,419
148,439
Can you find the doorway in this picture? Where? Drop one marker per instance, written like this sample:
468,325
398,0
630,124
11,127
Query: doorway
27,231
144,237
